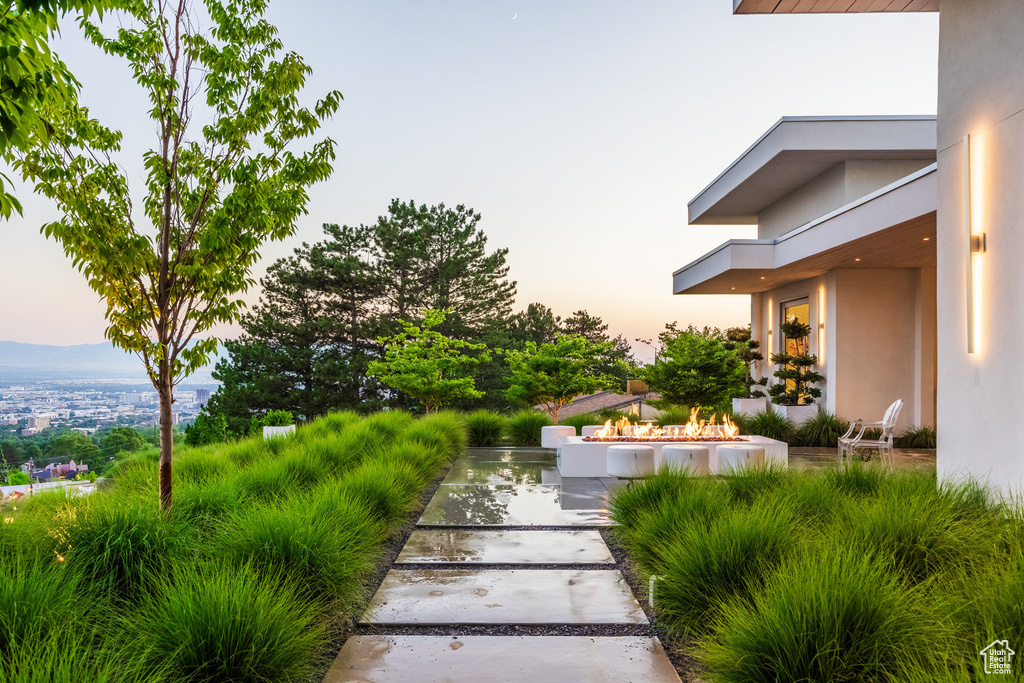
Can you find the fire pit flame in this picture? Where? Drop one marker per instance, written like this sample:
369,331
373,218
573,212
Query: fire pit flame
694,429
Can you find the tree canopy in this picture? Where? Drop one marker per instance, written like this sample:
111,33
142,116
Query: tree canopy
426,365
694,368
221,180
554,374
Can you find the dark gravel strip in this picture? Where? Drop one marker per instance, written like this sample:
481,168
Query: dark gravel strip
481,527
525,567
594,630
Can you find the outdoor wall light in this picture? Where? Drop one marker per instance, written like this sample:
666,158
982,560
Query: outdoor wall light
821,325
975,243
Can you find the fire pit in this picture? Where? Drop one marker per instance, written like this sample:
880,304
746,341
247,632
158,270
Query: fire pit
586,456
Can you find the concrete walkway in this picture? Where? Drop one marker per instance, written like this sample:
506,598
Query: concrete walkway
504,547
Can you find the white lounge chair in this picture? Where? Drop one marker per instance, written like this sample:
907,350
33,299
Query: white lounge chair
849,443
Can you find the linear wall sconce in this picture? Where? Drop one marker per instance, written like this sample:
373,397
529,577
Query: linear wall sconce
975,244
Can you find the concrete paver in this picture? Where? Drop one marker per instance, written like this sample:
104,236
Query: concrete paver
534,505
473,546
528,596
501,659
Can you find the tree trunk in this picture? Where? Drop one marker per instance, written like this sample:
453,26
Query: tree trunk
165,389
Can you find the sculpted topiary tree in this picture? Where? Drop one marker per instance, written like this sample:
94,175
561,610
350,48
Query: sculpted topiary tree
221,180
795,371
737,340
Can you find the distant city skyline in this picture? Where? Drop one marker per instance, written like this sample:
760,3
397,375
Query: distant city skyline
578,130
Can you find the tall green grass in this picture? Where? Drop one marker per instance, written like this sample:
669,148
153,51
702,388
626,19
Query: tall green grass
485,428
856,573
580,421
229,623
268,548
772,425
524,427
822,431
917,437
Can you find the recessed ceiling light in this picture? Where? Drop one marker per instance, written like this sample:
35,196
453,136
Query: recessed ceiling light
762,277
927,238
734,288
856,259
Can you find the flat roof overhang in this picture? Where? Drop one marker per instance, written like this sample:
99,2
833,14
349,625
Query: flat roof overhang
798,149
891,228
831,6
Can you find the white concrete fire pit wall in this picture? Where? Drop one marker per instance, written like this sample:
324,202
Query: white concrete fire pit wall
579,458
549,435
695,458
590,430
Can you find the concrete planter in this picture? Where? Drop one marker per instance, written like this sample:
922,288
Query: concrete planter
749,406
269,432
798,414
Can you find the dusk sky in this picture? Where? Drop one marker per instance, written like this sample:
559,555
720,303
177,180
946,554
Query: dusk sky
579,130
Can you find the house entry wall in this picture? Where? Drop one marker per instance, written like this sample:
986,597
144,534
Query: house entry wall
981,94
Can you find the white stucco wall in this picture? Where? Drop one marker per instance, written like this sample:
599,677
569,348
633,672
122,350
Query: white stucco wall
981,93
874,338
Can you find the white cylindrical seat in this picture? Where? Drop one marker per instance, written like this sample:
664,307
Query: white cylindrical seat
739,456
630,461
590,430
549,435
696,459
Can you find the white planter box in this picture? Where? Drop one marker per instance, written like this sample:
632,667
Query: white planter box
270,432
798,414
749,406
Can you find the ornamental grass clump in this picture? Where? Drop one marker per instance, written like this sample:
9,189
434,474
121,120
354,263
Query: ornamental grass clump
579,421
697,506
837,615
224,622
524,427
772,425
707,567
485,428
39,601
917,437
822,430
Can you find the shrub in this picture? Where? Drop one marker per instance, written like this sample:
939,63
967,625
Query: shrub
822,431
629,504
855,479
387,490
38,602
485,428
706,567
838,616
452,426
772,425
116,544
229,623
323,555
673,415
747,484
917,437
580,421
697,505
524,427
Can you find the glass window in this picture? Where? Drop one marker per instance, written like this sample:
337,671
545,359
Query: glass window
799,311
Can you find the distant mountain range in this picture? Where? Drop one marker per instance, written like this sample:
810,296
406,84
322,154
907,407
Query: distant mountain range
41,362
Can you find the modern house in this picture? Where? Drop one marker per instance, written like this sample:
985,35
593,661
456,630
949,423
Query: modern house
979,230
845,215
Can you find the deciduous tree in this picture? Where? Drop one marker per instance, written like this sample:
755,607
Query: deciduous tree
694,368
554,374
427,365
221,181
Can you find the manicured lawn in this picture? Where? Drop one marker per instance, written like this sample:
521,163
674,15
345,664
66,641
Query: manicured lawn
855,574
264,560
